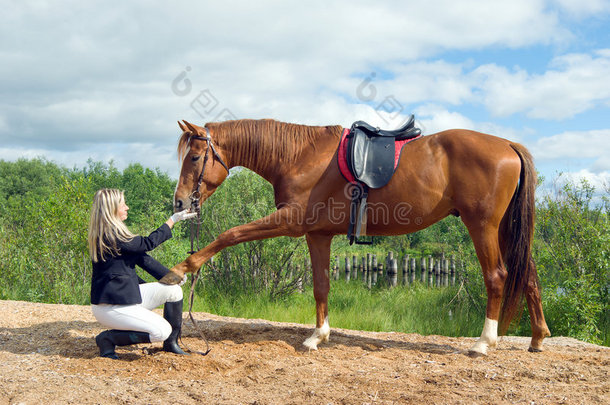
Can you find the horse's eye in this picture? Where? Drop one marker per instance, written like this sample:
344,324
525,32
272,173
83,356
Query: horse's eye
195,158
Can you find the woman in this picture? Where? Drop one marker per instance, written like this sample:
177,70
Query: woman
120,300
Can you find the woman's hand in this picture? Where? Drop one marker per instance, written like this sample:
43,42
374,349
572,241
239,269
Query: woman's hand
180,216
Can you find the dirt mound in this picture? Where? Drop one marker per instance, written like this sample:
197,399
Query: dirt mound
48,355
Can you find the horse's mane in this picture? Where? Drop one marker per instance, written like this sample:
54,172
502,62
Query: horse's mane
267,141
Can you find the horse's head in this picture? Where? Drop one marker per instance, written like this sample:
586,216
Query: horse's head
203,167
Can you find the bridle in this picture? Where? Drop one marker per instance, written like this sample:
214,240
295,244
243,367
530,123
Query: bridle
195,197
196,194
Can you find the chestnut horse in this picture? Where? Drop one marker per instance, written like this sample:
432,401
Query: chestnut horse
488,181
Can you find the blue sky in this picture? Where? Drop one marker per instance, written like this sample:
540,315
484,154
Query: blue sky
108,80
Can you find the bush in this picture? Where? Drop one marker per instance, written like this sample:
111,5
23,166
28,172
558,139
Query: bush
267,266
571,249
46,258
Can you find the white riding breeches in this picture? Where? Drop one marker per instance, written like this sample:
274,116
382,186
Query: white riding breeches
140,317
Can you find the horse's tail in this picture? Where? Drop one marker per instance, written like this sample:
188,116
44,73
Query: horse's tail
517,231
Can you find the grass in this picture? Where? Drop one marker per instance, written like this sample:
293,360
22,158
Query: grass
412,309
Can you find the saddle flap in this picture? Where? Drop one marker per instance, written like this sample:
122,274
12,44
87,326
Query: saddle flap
371,158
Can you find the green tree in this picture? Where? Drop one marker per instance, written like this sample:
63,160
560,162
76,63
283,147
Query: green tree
26,180
572,252
45,258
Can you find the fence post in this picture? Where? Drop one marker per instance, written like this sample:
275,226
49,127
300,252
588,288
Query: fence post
336,269
405,270
439,273
446,273
369,268
348,269
412,270
423,270
373,270
388,259
355,267
453,265
393,273
364,269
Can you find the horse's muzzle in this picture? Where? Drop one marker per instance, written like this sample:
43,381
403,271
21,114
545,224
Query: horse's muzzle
179,205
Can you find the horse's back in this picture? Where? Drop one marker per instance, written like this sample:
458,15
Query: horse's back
455,171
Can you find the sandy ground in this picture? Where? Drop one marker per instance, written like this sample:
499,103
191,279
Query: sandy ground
48,355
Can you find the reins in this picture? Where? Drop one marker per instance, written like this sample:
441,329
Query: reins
195,227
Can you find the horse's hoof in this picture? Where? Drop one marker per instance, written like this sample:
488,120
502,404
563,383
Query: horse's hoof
534,350
475,355
311,344
171,278
479,349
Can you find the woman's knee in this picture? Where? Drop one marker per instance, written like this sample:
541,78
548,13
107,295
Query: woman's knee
174,293
160,332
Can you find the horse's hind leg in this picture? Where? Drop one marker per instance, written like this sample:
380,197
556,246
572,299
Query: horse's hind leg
494,274
540,330
319,250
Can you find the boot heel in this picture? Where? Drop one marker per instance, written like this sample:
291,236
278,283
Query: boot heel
109,339
106,346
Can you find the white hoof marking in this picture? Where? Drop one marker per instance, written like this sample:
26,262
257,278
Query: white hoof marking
319,335
488,338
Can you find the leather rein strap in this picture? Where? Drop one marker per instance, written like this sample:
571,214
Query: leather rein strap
195,230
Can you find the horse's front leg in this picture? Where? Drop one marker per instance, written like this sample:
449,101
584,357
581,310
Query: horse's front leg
319,250
280,223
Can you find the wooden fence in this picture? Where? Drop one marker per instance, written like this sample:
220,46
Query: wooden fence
391,271
429,271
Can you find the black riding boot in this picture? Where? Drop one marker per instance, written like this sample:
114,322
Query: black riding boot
172,312
109,339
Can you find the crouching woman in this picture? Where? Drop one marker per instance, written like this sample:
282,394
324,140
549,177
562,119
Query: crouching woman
120,300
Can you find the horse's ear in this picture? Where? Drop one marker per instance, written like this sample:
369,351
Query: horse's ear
182,127
191,127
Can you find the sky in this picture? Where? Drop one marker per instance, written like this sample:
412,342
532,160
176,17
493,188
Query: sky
107,80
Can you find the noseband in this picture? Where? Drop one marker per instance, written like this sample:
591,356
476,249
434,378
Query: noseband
196,194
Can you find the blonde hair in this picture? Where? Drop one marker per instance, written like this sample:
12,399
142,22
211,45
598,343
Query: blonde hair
106,228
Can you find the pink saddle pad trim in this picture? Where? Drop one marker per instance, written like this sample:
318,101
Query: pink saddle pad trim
342,157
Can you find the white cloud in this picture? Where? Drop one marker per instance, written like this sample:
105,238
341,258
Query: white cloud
80,74
435,118
573,144
599,181
583,8
576,83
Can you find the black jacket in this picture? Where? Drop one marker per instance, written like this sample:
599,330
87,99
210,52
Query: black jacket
115,281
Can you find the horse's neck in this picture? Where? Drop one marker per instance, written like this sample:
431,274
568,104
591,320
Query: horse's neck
274,169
